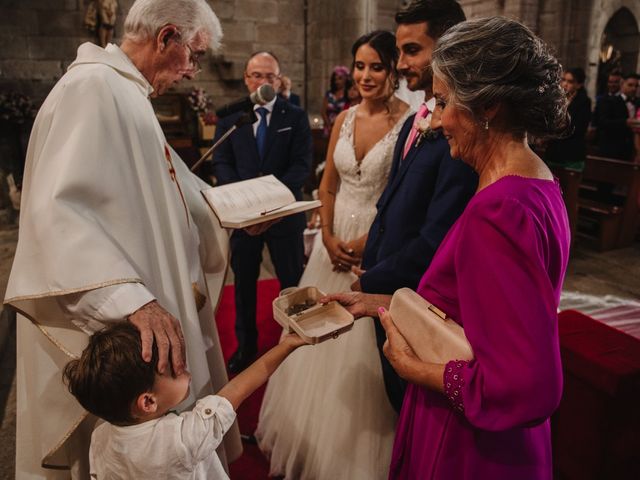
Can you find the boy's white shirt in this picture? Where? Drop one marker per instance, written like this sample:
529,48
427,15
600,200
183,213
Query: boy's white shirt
174,446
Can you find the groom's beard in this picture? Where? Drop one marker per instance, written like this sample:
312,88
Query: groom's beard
426,79
421,80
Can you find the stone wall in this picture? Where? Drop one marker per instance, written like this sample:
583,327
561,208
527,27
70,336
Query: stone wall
39,39
248,26
333,27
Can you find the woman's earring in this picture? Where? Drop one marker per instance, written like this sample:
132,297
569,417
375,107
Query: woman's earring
486,124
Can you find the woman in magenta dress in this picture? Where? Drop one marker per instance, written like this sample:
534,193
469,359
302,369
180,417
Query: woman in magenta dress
498,272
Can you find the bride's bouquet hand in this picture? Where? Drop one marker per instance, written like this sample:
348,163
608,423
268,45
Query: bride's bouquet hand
356,246
339,253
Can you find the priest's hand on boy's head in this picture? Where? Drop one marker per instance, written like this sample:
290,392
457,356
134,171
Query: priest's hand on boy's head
159,326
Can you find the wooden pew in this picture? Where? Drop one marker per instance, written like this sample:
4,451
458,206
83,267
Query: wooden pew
570,184
608,214
596,429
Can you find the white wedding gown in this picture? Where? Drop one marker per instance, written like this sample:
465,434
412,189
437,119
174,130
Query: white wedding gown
325,414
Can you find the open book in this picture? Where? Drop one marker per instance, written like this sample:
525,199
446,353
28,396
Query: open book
246,203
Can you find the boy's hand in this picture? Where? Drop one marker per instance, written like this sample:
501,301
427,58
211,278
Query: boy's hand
293,340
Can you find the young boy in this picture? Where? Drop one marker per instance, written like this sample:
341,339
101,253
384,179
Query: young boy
142,438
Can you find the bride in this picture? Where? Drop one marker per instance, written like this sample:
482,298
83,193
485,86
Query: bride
325,414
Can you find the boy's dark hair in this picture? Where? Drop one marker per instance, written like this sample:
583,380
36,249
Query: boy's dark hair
111,374
440,15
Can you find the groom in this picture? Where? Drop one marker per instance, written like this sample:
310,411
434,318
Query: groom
427,189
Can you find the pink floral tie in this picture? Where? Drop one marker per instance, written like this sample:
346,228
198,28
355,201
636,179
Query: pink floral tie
423,111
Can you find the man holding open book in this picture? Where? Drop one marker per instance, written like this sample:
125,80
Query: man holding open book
279,144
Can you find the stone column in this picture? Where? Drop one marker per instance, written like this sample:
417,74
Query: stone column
333,26
524,10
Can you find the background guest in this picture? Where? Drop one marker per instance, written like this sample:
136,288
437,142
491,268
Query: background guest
614,80
498,272
614,121
278,143
335,99
353,94
570,151
286,93
636,136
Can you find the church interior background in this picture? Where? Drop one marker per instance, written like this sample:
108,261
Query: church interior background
39,38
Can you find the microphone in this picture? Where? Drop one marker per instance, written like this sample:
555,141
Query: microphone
263,95
246,119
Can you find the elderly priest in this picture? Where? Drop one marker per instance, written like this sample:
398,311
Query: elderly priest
113,227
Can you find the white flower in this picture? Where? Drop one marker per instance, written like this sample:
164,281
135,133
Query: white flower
423,127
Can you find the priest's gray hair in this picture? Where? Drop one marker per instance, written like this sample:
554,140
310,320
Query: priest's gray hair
496,60
147,17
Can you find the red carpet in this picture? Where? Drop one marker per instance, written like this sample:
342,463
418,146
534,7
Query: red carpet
251,465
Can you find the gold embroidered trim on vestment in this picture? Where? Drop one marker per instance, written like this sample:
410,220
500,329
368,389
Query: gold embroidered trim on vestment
71,290
60,443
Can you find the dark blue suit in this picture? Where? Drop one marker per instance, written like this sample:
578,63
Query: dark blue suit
294,99
287,156
426,193
615,138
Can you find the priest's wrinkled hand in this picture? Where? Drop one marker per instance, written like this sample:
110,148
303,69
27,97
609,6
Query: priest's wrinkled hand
156,324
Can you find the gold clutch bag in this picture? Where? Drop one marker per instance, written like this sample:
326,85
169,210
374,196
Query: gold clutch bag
434,337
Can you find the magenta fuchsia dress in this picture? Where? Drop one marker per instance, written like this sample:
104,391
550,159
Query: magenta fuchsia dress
499,273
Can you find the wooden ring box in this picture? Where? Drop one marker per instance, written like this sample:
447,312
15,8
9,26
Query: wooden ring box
316,323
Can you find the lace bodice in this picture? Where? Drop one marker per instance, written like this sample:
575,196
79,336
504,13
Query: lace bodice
360,184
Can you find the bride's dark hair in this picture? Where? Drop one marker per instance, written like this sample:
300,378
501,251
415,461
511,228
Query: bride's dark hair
384,43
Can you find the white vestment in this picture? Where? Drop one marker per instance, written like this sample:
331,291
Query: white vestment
105,202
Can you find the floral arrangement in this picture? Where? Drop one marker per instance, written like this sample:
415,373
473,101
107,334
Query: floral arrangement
423,126
201,103
16,108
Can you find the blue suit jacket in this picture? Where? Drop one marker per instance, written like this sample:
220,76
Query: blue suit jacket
294,99
426,193
288,154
